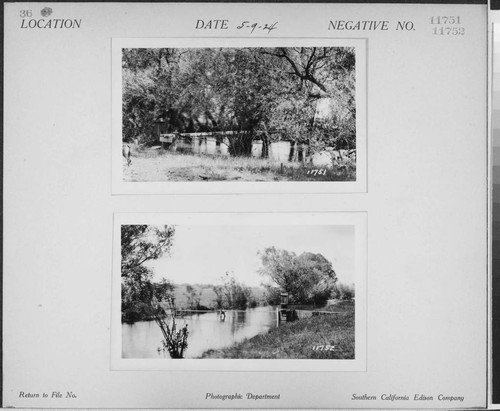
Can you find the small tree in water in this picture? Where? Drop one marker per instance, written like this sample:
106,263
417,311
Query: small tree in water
174,339
159,302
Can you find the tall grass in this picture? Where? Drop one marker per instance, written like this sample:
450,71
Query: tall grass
201,167
297,339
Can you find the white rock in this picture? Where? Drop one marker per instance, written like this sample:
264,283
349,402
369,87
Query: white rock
321,159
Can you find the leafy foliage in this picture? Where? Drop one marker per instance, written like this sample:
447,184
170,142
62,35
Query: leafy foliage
308,278
142,298
193,298
142,243
345,291
272,295
266,93
233,295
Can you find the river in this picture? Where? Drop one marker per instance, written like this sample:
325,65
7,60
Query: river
206,331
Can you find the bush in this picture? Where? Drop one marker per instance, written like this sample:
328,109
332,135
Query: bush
231,294
272,295
137,311
345,291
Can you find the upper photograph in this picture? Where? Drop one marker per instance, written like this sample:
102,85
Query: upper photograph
239,115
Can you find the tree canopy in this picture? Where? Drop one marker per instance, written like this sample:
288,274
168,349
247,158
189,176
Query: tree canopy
308,278
141,243
272,93
141,296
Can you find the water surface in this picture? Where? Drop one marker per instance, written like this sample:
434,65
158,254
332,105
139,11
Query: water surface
206,331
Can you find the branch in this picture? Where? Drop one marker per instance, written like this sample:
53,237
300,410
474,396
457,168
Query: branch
310,60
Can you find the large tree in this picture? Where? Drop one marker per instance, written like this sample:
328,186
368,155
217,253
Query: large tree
308,278
140,244
264,93
143,298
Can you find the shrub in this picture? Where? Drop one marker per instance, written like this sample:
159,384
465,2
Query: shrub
345,291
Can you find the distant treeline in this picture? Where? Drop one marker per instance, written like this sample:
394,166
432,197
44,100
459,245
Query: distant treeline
228,295
215,297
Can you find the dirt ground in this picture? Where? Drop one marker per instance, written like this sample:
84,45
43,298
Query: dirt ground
158,166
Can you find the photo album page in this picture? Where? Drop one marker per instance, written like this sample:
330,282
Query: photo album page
245,205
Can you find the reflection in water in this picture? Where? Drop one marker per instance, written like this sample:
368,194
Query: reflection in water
206,331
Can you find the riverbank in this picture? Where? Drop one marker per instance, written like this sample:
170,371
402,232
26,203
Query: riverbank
300,339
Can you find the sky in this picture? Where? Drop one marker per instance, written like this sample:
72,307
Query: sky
203,254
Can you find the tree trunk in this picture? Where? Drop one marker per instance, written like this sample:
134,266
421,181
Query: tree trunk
300,154
291,154
266,138
241,144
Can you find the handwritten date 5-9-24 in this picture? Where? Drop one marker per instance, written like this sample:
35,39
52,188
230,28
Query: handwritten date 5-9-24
257,26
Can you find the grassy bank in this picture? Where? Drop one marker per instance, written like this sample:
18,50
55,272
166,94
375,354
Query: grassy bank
297,339
160,165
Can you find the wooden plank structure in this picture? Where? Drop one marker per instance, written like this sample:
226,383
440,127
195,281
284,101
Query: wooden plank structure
168,138
287,313
215,142
200,137
283,312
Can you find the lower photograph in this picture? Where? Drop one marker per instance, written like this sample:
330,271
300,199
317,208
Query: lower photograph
214,290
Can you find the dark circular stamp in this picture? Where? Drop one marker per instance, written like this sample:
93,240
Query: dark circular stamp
46,11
